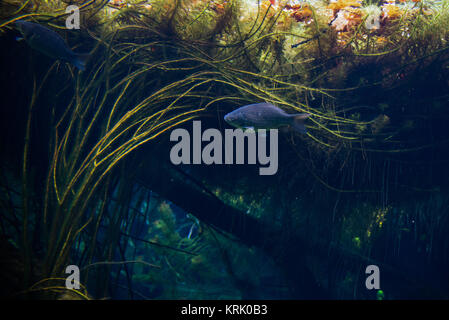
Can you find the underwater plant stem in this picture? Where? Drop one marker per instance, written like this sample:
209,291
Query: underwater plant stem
25,196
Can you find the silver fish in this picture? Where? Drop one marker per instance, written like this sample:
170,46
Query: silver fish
265,116
49,43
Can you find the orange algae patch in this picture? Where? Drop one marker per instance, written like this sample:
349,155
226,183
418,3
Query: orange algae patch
346,20
301,12
341,4
381,40
219,8
346,14
117,3
265,5
390,11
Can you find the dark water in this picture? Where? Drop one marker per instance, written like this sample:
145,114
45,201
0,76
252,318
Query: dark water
155,230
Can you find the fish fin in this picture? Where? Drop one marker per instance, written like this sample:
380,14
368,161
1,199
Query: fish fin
19,38
80,60
298,122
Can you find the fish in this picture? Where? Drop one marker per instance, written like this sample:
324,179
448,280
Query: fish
265,116
50,43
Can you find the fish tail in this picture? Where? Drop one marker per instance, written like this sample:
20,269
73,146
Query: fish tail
298,122
80,60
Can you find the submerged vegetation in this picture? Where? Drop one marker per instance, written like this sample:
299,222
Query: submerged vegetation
368,184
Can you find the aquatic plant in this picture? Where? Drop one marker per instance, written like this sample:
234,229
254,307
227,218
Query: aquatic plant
156,65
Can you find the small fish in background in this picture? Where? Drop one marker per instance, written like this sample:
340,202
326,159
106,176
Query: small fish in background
265,116
380,123
50,43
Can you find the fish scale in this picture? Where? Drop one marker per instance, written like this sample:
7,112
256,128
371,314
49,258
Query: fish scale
265,116
49,43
